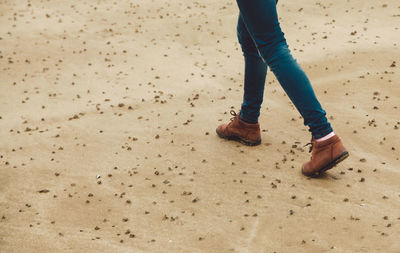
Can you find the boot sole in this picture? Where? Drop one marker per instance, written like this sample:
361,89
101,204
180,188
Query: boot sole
329,166
238,139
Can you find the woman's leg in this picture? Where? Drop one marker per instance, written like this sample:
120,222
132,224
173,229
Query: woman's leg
254,75
261,20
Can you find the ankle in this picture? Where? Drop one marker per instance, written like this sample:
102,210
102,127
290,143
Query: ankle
326,137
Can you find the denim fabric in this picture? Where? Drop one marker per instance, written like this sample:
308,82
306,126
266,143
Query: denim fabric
263,44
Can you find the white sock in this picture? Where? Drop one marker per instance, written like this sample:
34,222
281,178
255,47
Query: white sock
326,137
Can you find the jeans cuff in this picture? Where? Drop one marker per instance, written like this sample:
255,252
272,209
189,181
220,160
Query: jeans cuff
322,134
247,120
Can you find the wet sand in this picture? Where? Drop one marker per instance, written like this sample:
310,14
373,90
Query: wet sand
108,113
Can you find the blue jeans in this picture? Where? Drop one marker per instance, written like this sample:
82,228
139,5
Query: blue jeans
264,45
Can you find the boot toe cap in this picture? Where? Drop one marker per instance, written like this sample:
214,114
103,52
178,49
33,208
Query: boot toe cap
307,170
221,129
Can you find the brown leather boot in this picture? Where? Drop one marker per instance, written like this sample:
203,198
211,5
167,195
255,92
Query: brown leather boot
238,130
325,155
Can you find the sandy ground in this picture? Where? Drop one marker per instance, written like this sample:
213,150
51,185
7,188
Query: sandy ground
108,112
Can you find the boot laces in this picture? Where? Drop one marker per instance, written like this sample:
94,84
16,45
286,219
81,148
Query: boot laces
234,114
311,146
